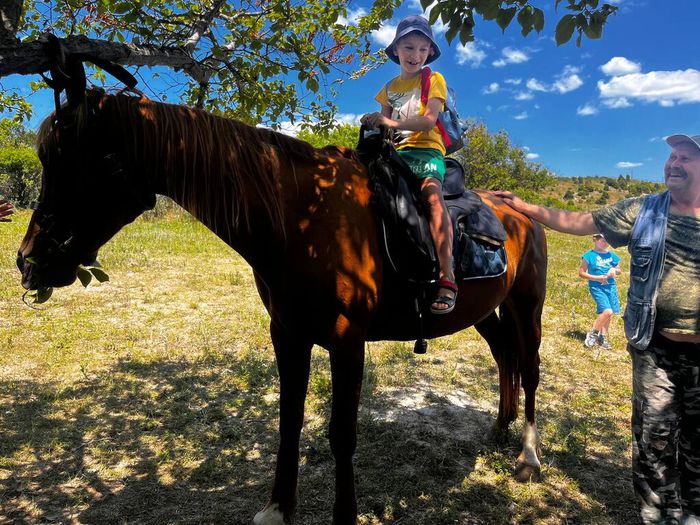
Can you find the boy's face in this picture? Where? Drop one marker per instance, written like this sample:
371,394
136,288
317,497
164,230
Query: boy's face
413,50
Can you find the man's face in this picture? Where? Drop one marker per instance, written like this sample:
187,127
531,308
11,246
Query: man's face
682,170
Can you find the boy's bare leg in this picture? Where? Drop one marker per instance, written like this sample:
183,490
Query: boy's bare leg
440,231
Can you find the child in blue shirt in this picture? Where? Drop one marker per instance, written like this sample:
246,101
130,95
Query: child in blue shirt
417,138
600,266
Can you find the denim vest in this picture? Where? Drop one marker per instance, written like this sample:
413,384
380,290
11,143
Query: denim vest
647,248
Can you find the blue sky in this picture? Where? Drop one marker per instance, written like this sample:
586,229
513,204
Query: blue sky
601,109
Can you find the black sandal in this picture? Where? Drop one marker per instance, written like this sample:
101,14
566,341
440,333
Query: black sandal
445,299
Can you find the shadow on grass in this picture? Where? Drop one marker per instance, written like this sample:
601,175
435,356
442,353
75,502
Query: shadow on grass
575,335
180,442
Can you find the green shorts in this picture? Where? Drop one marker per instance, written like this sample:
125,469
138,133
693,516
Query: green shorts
424,162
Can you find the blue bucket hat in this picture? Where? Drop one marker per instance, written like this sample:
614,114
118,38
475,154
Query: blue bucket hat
409,25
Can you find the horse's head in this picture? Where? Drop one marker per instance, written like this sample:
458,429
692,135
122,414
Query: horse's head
88,192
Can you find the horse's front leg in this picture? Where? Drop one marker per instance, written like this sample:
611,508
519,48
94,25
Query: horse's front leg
293,363
347,363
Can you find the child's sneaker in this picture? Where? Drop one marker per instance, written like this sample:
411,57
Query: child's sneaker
592,338
603,342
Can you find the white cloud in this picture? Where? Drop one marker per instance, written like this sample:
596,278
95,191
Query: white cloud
513,81
664,87
492,88
616,103
532,156
347,118
586,110
620,66
625,165
521,116
510,55
535,85
523,95
352,18
470,54
288,128
568,80
384,35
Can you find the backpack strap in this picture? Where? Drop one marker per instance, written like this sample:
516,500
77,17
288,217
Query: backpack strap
424,90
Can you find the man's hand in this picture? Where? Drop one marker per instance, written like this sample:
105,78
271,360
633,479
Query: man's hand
511,200
6,209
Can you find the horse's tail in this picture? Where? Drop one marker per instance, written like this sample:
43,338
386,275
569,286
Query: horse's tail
507,357
500,333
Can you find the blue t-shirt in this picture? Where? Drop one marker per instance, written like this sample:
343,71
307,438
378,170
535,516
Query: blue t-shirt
600,264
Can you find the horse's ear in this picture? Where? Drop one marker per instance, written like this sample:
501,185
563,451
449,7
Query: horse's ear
67,72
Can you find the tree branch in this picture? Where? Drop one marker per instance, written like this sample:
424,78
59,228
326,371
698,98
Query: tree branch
31,58
10,11
202,25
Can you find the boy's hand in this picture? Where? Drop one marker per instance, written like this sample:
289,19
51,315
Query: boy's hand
6,209
374,120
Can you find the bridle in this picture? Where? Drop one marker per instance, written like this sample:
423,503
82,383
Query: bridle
67,74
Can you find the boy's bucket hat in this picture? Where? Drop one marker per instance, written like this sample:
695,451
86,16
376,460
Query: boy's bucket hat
674,140
409,25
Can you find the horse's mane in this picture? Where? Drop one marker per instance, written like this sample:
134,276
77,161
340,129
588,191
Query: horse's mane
212,152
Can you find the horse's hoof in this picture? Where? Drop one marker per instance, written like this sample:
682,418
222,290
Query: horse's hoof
499,435
524,473
270,515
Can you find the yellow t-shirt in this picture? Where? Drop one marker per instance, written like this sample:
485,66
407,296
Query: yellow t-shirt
403,96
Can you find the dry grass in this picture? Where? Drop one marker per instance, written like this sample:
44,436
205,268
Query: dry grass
153,399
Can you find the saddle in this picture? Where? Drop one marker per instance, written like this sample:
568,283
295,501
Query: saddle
478,250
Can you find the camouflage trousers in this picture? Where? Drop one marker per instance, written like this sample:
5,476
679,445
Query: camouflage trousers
666,432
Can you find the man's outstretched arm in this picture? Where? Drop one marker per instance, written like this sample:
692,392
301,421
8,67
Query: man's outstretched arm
573,222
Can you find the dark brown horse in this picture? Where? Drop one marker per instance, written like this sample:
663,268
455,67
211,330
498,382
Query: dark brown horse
301,217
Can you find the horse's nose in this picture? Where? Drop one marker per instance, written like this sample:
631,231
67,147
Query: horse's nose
20,261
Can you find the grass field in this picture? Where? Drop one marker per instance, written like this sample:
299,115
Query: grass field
152,399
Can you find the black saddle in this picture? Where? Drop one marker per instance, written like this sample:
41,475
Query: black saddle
478,234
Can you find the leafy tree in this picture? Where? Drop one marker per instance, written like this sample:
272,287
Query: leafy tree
343,135
490,161
585,17
20,168
257,60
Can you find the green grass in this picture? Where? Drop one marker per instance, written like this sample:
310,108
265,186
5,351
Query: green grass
153,399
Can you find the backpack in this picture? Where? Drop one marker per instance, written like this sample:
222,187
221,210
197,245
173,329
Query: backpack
448,123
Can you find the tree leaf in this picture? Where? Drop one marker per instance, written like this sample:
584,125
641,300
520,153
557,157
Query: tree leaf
84,276
505,16
452,31
565,29
466,34
434,13
99,274
525,20
538,20
42,295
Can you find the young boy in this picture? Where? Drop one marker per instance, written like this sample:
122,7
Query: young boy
600,266
417,138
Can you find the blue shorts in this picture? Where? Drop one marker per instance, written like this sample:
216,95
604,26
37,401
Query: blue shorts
605,298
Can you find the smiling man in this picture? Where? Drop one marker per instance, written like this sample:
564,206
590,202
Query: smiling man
662,325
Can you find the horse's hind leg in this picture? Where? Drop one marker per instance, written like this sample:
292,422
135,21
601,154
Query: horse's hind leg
527,313
293,363
514,339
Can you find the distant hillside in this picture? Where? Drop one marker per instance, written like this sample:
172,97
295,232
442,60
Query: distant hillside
589,193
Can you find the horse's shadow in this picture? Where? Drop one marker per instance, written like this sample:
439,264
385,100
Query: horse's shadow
183,442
